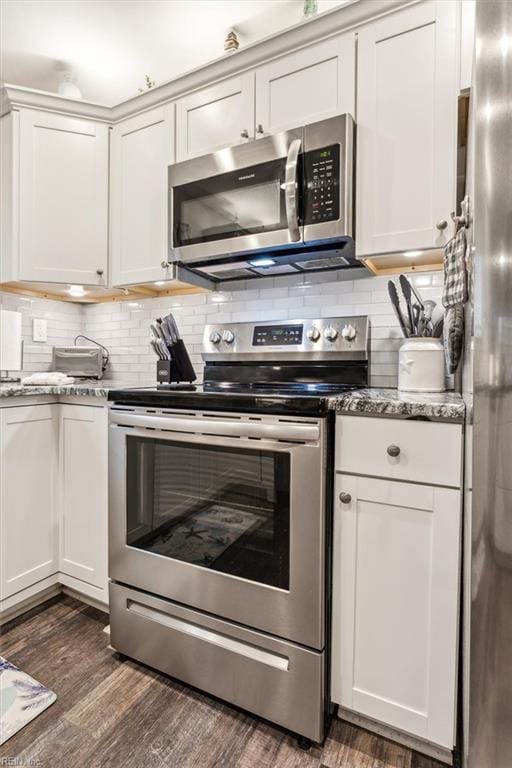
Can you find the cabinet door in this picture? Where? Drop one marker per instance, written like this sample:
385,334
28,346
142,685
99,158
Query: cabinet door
216,117
395,604
83,470
306,86
142,150
28,508
406,129
63,199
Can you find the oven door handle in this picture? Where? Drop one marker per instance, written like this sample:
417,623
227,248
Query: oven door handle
291,190
305,433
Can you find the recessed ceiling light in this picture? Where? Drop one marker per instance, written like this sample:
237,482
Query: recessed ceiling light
160,282
263,262
412,254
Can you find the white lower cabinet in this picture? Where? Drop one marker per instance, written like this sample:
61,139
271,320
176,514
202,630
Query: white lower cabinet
53,502
83,502
396,603
28,509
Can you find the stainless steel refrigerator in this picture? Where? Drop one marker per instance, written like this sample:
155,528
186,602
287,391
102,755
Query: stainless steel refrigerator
488,706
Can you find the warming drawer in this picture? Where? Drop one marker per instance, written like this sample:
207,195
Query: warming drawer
274,679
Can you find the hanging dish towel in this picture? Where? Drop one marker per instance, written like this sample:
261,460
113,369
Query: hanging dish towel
455,295
455,290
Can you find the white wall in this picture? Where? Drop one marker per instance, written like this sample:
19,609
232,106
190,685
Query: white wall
124,326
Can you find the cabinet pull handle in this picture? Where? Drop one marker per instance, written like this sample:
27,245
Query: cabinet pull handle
259,129
99,272
164,264
245,134
393,450
345,498
442,225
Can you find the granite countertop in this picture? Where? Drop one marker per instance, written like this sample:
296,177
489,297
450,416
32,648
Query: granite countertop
392,402
372,402
84,388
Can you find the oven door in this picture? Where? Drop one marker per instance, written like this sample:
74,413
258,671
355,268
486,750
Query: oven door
222,513
237,200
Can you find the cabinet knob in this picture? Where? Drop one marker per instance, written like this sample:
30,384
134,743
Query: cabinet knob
393,450
345,498
442,225
259,129
99,272
244,134
164,264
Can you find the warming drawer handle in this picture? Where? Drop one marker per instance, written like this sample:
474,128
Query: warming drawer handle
291,190
299,432
208,636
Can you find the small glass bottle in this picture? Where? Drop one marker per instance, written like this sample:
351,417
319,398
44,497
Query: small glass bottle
310,8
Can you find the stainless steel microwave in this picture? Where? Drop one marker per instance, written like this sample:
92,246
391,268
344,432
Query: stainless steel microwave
281,204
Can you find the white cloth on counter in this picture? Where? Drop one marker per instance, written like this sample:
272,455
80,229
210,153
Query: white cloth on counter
48,379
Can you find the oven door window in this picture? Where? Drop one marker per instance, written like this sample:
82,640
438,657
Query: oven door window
220,508
244,202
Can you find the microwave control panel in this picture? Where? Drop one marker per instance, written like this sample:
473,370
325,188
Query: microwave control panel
322,188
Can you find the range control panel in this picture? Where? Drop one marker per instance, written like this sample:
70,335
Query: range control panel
277,335
322,338
322,188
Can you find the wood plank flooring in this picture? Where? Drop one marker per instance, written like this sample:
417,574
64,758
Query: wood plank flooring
113,713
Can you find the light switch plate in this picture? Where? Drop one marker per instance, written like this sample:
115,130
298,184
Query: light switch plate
39,330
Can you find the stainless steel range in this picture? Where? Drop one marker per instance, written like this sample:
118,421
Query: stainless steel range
220,517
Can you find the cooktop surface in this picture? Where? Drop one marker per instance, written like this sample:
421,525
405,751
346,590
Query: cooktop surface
298,398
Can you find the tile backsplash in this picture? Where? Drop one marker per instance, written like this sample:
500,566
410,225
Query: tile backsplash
64,322
124,326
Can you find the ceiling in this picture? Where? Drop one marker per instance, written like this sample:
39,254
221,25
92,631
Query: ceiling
109,45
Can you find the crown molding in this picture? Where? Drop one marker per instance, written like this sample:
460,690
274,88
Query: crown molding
341,19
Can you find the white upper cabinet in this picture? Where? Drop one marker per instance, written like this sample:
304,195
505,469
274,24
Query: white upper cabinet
467,42
306,86
142,149
63,199
215,117
406,129
28,508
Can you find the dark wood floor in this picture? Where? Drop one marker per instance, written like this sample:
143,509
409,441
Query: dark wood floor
120,714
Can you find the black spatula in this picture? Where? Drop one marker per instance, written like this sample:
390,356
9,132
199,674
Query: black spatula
395,301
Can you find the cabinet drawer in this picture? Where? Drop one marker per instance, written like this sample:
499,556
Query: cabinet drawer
428,452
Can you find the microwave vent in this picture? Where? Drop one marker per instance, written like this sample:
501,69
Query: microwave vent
328,263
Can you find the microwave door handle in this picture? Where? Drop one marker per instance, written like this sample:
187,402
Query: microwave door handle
291,187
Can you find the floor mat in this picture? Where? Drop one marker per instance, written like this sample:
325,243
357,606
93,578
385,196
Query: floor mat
21,699
204,536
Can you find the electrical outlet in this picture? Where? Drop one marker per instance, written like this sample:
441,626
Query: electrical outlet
39,330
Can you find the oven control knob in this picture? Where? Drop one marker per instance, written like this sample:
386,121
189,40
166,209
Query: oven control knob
349,333
215,337
330,333
313,334
228,336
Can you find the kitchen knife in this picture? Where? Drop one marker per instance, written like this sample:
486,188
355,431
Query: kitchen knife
172,323
407,292
156,331
393,295
156,349
164,330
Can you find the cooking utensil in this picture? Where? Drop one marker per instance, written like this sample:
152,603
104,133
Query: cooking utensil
403,279
395,301
407,292
428,309
437,330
